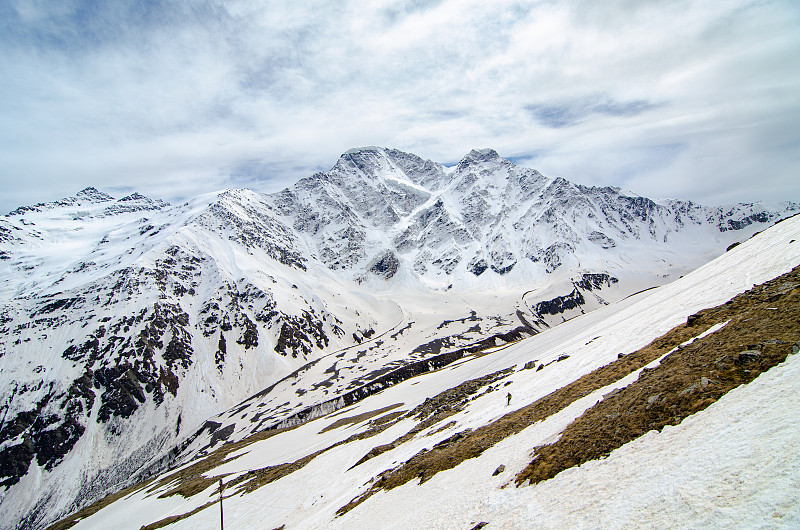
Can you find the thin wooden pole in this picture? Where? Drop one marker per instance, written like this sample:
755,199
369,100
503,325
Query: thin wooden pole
221,518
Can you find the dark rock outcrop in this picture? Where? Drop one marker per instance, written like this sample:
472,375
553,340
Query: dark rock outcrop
384,265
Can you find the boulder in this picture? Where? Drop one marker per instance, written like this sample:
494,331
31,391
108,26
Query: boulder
747,356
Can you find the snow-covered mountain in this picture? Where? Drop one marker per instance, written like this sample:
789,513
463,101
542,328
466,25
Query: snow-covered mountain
381,213
675,407
137,334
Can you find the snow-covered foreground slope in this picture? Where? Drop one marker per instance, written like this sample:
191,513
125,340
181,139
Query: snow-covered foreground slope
732,463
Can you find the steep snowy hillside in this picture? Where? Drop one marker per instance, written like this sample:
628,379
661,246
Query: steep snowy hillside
126,327
129,328
679,402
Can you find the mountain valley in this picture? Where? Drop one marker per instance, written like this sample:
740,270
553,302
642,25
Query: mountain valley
141,338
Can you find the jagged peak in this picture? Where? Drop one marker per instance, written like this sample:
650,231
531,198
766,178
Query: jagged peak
94,195
89,194
360,158
485,152
136,196
135,202
401,158
478,156
239,195
365,149
376,163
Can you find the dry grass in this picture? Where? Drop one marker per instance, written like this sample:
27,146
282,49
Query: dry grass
434,410
192,480
351,420
175,518
765,319
189,481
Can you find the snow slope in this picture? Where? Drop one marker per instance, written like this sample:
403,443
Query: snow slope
733,464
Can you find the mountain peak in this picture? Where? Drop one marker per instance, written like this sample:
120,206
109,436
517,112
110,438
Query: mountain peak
361,158
136,196
478,156
94,195
365,149
485,152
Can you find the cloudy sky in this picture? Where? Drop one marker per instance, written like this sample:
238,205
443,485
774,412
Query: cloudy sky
694,99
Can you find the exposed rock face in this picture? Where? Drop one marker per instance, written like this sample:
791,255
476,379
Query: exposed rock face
551,257
602,240
747,356
560,304
595,281
385,265
584,294
478,266
298,336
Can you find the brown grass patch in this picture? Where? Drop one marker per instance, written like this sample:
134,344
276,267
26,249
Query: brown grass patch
358,418
435,409
175,518
191,480
765,320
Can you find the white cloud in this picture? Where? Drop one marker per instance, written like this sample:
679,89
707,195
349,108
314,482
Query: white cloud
686,98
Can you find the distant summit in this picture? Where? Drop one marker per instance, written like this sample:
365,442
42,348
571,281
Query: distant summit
91,196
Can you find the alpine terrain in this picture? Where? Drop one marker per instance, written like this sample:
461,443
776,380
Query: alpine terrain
398,343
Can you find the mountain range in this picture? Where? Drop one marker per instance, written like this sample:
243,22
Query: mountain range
137,336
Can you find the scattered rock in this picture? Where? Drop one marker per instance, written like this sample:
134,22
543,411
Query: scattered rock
529,365
222,434
747,356
479,525
652,399
499,470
